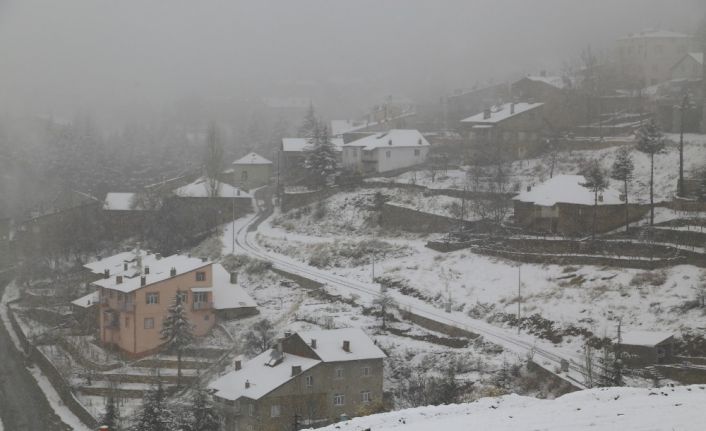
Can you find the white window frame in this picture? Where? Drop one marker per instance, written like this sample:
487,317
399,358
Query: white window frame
152,298
366,397
339,373
275,411
148,319
309,381
366,371
339,400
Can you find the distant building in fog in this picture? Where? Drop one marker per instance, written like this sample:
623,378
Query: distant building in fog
648,56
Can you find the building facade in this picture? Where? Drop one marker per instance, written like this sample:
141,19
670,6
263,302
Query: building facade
385,152
690,67
648,56
136,290
312,378
251,171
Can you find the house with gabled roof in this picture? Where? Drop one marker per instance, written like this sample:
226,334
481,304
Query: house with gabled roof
136,288
385,152
690,67
319,376
250,172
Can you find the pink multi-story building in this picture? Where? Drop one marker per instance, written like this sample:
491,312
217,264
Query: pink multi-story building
137,288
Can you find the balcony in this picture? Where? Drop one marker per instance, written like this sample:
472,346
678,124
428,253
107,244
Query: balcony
126,307
202,305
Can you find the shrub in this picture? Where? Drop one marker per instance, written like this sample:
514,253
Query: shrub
651,278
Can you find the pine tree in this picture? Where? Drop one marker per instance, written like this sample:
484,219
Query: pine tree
204,416
651,142
177,331
111,418
154,414
596,182
622,170
213,160
321,160
310,125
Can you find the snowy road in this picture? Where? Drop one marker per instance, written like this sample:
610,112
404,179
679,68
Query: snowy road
544,353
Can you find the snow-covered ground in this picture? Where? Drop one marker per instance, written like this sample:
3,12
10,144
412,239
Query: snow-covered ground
625,409
523,173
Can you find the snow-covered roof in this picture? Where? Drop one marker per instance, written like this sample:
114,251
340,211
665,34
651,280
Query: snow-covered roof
88,300
118,201
502,112
392,138
339,127
329,344
260,377
199,189
644,338
159,269
560,82
655,34
295,145
566,189
696,56
226,295
252,159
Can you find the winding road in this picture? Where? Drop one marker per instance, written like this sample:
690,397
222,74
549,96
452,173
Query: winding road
23,405
543,353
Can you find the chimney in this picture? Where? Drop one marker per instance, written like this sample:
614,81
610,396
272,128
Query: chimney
346,345
106,273
104,428
247,384
233,278
287,334
100,258
143,280
389,142
124,266
238,364
313,343
512,108
529,188
486,114
118,279
203,259
172,272
279,347
158,256
296,369
147,270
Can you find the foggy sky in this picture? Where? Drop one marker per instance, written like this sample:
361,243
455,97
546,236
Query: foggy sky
59,56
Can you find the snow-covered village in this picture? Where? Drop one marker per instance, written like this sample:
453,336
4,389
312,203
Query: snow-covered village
352,216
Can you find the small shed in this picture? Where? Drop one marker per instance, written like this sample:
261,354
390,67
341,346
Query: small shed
251,171
645,348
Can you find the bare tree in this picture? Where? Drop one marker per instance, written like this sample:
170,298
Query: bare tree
651,142
622,170
596,182
383,303
213,160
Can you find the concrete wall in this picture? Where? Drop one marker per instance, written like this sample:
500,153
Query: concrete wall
398,217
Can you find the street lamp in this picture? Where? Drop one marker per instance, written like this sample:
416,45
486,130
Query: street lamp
685,104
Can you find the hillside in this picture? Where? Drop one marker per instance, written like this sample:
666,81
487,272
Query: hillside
624,409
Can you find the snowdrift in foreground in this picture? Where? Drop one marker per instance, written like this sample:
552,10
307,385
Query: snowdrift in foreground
624,409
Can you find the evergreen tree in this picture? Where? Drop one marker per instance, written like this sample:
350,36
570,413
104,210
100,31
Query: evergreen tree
111,418
622,170
154,414
177,331
204,416
651,142
310,125
213,160
596,182
321,160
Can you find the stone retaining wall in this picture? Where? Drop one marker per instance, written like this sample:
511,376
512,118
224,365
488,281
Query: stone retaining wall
399,217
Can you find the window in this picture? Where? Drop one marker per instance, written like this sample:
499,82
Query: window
338,373
200,276
149,322
417,152
388,153
152,298
127,321
182,297
200,297
274,411
366,371
365,396
251,409
309,381
339,399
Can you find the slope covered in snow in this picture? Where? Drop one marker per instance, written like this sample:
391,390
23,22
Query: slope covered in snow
624,409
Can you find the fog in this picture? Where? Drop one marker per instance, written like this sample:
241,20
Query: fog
129,58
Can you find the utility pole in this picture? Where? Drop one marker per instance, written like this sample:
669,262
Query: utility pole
682,110
373,259
618,356
233,244
519,296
